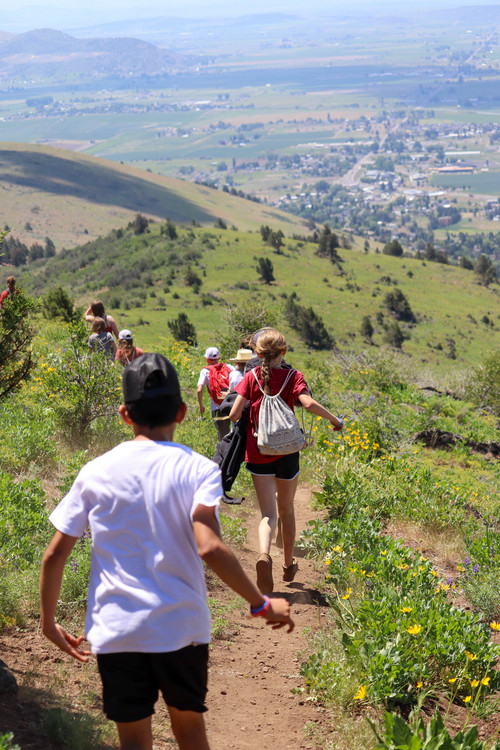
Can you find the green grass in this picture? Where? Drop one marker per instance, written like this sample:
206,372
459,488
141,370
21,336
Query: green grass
226,261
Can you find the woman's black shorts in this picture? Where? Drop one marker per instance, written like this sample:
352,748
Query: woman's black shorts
131,681
285,467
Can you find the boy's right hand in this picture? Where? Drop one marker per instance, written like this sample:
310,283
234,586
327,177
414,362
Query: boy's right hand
67,642
278,615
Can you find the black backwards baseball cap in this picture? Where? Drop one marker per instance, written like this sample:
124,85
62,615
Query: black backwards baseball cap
149,376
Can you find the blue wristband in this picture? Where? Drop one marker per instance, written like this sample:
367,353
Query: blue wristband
259,611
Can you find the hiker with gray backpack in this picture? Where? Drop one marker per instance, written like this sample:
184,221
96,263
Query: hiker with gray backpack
274,439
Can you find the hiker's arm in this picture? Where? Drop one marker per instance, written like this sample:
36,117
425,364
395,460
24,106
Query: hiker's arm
199,393
51,575
113,326
311,405
225,565
237,408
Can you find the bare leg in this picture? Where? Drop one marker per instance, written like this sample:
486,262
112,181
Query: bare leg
286,495
265,487
189,729
135,735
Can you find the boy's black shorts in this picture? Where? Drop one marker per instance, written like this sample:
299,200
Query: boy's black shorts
131,681
285,467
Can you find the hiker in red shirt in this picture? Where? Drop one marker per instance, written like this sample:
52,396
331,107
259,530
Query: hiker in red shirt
215,376
9,292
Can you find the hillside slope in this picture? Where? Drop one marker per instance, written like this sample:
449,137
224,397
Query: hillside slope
149,279
71,198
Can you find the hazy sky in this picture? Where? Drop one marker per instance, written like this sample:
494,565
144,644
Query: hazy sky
68,14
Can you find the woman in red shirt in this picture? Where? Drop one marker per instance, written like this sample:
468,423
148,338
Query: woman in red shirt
275,478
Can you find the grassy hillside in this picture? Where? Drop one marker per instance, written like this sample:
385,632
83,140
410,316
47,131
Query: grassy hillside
144,283
71,198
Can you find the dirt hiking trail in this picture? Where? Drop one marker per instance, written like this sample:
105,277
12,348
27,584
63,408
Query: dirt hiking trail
252,672
252,677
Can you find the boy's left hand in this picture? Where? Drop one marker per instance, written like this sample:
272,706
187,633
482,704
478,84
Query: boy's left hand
67,642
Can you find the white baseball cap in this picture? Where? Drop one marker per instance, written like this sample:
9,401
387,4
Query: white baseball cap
212,353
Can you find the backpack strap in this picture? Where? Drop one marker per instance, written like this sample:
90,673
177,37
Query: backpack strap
290,372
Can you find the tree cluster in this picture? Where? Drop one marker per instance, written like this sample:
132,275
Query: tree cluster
394,247
308,324
273,238
396,302
182,330
328,242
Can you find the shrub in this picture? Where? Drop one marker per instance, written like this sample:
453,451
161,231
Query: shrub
366,329
396,302
6,741
139,225
394,336
393,247
242,320
265,270
483,387
16,335
308,324
415,735
485,271
183,330
80,385
328,242
58,305
23,522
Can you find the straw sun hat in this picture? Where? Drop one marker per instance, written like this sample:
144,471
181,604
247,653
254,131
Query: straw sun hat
243,355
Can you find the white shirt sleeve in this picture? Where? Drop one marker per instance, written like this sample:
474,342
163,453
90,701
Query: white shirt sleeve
204,378
71,516
209,486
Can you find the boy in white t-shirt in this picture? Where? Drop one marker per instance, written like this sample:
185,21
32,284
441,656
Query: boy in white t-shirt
152,508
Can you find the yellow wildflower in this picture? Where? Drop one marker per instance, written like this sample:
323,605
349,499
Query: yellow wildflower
452,680
414,629
495,625
467,698
485,681
361,694
471,657
474,683
406,610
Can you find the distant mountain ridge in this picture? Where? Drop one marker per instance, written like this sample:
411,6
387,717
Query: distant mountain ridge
47,51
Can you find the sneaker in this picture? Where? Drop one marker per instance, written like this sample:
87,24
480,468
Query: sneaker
290,572
264,570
